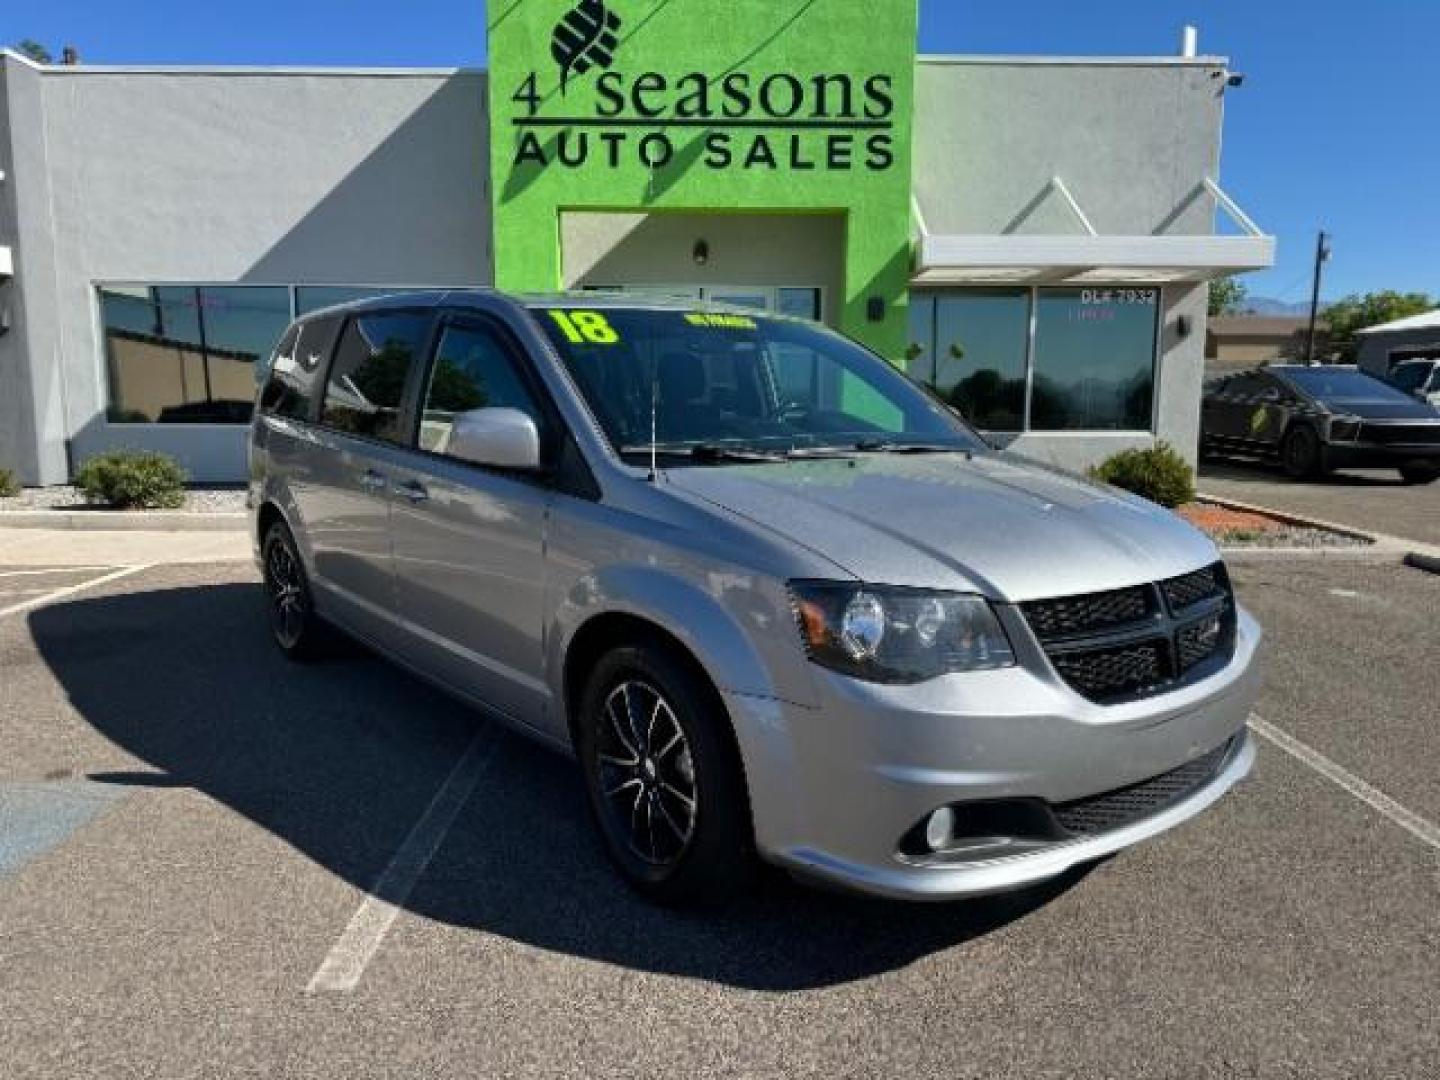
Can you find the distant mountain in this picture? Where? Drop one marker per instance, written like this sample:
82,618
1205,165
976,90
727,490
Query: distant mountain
1264,305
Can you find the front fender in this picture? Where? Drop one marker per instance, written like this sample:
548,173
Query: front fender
742,634
737,626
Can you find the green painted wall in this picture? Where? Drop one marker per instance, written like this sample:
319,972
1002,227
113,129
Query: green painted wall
784,106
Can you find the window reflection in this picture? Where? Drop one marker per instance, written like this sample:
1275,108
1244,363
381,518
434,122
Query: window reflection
979,361
188,354
1094,359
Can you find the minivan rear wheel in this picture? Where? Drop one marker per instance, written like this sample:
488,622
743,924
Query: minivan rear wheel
296,628
663,777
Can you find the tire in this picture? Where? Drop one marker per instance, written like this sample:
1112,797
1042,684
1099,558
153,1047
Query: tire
296,629
1301,455
1419,474
663,775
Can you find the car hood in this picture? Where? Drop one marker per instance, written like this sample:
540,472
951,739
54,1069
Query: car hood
992,523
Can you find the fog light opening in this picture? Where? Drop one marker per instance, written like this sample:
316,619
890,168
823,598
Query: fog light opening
940,828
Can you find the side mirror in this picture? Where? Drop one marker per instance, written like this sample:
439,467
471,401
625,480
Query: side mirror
498,438
1269,394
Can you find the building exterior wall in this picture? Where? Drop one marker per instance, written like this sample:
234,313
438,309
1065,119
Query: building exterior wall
32,390
237,177
269,177
1132,141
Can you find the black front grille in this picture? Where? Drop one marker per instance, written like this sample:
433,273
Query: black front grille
1124,644
1124,671
1187,591
1401,434
1069,616
1124,806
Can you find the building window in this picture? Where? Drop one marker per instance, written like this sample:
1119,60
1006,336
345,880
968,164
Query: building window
1038,359
1094,359
179,354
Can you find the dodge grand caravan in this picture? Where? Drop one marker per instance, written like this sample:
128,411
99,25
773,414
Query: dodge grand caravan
777,600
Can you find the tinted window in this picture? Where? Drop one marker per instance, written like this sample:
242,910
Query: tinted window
1342,384
473,370
188,354
372,362
1410,377
297,366
1094,359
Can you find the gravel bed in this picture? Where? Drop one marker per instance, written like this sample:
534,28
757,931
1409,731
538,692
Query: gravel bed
200,500
1286,536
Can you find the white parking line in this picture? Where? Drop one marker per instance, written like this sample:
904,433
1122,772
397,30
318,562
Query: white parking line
351,955
68,590
1425,831
52,570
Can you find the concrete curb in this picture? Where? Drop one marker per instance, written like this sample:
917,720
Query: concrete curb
125,520
1378,545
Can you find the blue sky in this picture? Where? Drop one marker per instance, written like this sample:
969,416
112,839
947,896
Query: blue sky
1335,124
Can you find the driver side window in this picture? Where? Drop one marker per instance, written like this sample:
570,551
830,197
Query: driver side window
473,369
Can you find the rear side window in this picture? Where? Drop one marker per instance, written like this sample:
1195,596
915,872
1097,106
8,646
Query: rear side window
372,363
299,360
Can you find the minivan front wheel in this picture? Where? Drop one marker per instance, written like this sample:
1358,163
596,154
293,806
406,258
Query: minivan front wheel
293,622
663,777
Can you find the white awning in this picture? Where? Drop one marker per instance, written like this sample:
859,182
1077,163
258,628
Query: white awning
7,265
1088,257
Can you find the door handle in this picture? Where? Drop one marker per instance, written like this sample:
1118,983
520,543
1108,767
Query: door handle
415,491
372,480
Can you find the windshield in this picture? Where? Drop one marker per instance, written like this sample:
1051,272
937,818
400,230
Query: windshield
1345,384
740,382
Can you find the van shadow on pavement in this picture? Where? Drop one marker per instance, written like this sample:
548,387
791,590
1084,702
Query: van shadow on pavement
339,759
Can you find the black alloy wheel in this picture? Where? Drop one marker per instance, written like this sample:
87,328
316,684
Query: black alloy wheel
1301,454
663,776
293,622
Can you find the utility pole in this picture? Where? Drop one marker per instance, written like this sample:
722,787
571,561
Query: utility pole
1322,256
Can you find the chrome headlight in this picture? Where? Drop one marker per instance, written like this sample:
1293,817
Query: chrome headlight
893,635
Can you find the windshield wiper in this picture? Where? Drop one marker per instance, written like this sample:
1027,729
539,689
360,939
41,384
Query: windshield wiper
890,446
708,452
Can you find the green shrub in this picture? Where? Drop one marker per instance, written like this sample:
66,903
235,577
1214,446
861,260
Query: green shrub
1158,474
132,480
9,486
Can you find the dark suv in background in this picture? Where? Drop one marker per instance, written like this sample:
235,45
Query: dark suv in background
1314,419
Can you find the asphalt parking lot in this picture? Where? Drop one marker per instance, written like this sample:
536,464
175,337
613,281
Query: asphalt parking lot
215,863
1373,500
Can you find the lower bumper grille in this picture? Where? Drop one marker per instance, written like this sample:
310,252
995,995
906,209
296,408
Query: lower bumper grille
1124,806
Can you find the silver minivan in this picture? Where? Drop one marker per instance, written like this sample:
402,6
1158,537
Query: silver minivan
779,601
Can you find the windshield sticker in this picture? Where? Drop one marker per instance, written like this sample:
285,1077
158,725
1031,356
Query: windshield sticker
720,322
584,327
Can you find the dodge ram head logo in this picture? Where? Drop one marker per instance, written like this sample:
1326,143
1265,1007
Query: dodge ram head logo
584,38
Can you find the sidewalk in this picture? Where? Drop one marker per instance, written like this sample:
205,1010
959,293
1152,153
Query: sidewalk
130,547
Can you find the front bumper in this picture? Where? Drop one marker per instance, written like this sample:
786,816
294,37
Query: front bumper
836,790
1340,455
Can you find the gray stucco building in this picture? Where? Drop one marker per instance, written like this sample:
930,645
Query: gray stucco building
158,227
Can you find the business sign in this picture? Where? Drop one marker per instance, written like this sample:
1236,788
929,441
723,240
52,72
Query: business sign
767,105
758,118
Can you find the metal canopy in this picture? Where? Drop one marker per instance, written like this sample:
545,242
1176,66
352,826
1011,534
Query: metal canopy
1087,257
